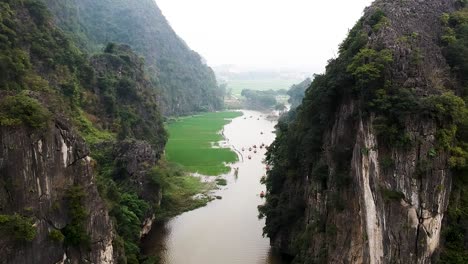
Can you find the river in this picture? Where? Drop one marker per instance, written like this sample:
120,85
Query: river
225,231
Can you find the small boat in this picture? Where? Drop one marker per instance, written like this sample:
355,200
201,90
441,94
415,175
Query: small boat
262,194
255,146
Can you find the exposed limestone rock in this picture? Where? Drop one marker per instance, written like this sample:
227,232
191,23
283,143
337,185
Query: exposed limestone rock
38,167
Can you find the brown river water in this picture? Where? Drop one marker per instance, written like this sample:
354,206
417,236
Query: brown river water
226,231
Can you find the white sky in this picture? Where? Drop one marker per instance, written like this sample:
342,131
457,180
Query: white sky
265,34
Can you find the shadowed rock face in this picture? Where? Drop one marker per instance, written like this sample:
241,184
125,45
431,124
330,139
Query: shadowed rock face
37,168
387,213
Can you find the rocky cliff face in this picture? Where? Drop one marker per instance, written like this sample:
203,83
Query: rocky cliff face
60,202
37,170
359,175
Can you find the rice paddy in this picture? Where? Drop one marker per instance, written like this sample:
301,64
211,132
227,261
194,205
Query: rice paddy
191,141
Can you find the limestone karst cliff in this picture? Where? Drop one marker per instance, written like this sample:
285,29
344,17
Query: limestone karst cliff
78,135
362,171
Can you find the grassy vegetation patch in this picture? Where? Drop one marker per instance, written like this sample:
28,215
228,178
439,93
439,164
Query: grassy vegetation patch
190,143
179,190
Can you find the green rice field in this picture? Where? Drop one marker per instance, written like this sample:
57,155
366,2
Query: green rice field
190,143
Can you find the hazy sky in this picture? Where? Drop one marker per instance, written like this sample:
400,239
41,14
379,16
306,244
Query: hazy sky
270,34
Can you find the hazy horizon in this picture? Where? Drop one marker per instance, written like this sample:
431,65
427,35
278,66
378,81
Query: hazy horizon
295,35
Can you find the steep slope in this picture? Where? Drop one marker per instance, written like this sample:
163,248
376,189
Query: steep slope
185,83
297,92
363,171
78,137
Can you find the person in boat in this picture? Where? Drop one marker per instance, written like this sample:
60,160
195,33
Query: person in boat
243,149
250,157
262,194
255,151
255,146
250,149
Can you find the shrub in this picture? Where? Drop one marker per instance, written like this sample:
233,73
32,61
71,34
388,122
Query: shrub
368,64
17,227
75,232
23,110
56,236
445,107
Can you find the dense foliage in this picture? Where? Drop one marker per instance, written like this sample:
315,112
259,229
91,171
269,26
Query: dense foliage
17,227
184,82
456,52
127,99
23,110
75,232
256,99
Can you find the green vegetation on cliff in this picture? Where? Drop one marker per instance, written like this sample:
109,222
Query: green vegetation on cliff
309,151
455,41
17,227
184,82
107,97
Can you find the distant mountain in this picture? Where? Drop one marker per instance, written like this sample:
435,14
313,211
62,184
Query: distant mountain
185,83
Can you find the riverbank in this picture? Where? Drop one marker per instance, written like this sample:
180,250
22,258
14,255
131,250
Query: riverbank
196,149
182,192
227,230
